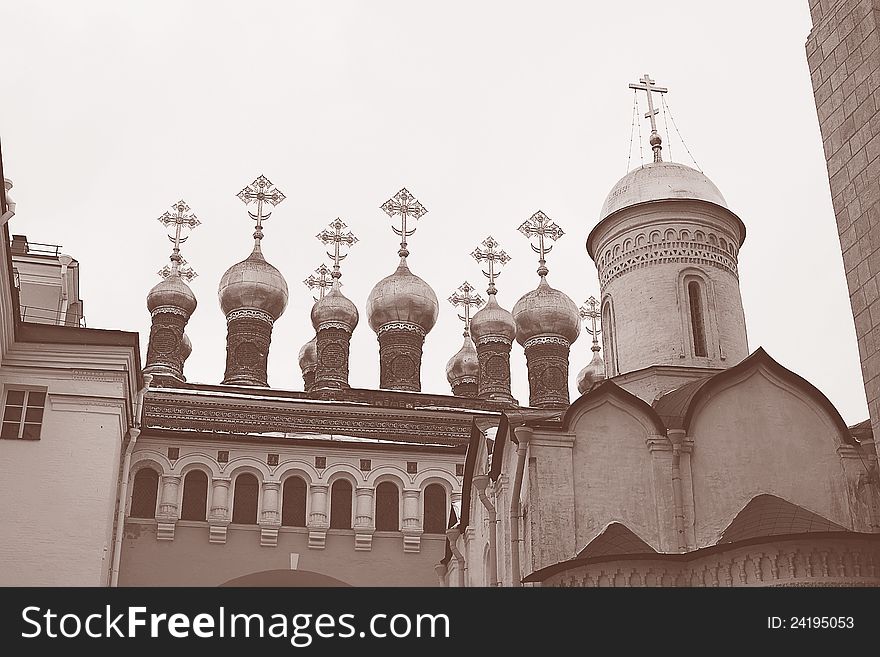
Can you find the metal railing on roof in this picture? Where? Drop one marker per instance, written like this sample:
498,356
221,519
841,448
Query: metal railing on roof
37,315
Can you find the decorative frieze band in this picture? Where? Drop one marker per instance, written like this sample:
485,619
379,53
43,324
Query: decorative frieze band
250,313
401,326
698,253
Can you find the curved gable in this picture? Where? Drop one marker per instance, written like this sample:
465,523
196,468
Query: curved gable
616,538
699,392
608,388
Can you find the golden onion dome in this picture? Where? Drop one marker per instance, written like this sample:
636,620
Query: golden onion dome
592,373
493,321
308,355
186,347
402,297
546,311
464,363
253,284
174,292
335,307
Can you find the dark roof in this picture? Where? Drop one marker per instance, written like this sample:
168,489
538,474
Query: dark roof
862,430
768,515
615,539
672,407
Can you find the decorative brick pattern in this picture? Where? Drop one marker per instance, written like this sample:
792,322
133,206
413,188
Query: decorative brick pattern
843,52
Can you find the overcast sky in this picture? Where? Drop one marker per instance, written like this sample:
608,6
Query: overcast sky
486,111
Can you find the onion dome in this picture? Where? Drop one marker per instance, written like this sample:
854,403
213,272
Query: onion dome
253,284
308,355
464,364
172,292
402,297
592,373
546,311
335,308
660,181
493,321
186,347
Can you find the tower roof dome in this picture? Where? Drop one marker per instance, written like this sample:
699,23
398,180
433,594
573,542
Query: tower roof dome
335,307
172,291
464,363
594,371
546,311
402,297
493,320
253,284
658,181
308,355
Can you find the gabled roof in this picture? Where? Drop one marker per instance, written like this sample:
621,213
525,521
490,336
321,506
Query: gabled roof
677,407
616,538
768,515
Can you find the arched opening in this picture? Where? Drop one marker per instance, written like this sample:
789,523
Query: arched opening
608,336
244,501
698,321
340,504
293,502
144,494
195,496
387,507
434,521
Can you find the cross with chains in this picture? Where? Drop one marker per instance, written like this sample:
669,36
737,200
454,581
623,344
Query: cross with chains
338,239
182,219
494,256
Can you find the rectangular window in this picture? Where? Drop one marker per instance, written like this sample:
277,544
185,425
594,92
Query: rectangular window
23,414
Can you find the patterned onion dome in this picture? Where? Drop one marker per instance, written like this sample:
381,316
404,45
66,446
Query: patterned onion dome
335,307
174,292
546,311
186,347
308,355
592,373
464,363
402,297
493,320
253,284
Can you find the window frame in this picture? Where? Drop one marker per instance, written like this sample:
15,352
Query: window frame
22,420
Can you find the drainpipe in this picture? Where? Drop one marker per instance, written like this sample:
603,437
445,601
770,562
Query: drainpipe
440,570
676,437
523,435
133,434
452,535
481,482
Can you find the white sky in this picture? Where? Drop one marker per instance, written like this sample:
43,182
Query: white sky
487,111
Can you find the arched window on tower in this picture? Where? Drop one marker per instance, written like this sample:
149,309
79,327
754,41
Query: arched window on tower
244,501
698,317
387,507
195,496
434,521
144,493
293,502
609,339
340,504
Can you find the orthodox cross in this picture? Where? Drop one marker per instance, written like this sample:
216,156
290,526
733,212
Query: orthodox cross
262,191
494,256
181,221
541,225
403,205
591,311
338,239
647,85
464,296
321,279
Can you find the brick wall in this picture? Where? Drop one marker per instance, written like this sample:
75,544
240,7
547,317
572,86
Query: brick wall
843,52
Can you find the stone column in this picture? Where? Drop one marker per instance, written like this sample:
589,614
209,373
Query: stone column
166,518
400,356
165,349
363,518
318,523
333,349
412,522
547,362
270,518
218,519
248,334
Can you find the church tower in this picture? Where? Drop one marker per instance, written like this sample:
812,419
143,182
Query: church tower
666,249
253,295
